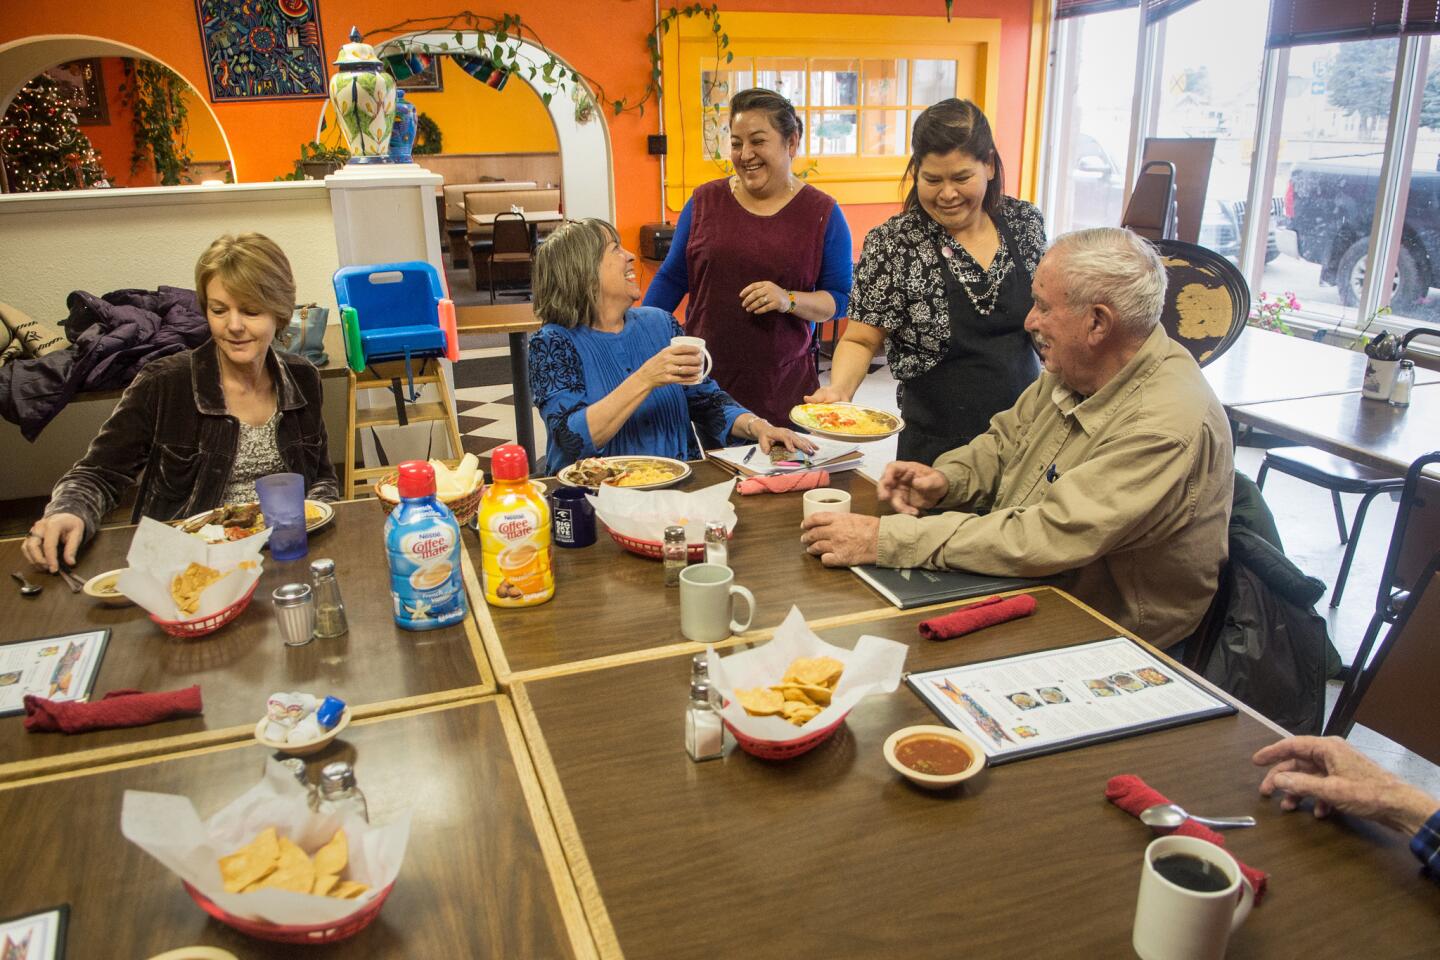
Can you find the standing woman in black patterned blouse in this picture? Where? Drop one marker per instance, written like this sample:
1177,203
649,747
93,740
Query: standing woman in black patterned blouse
945,285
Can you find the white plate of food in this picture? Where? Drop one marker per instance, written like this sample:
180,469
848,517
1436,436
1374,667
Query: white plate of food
632,473
846,421
238,521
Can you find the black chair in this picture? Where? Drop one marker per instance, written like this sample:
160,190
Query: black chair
1395,694
1338,476
1207,301
1412,546
1151,211
512,247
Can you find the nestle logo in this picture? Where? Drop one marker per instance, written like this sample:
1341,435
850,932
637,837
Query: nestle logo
515,529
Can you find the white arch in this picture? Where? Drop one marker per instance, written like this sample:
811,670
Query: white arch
587,166
22,59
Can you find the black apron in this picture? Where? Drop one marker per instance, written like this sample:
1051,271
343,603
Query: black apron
989,362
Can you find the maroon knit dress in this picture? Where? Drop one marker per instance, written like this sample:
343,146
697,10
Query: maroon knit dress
763,360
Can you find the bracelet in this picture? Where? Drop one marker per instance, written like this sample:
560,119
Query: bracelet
791,295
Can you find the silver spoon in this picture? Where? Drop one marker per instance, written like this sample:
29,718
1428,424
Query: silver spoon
27,589
1168,816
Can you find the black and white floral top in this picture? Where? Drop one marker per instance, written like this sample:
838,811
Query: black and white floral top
256,455
899,287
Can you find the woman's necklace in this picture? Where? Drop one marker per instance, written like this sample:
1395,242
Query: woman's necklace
735,190
984,301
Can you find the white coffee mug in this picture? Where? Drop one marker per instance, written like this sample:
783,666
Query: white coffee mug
1175,922
707,592
698,342
822,499
1379,378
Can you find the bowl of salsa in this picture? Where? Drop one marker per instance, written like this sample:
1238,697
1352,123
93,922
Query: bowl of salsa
934,757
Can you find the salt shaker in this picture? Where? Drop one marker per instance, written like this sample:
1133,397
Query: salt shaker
295,609
704,731
717,544
675,552
1404,383
339,794
329,608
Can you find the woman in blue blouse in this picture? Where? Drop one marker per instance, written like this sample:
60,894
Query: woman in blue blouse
603,372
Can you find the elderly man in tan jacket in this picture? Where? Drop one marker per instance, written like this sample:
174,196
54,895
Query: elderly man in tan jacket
1113,469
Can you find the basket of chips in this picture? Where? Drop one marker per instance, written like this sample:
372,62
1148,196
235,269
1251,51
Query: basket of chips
459,489
200,626
287,933
787,697
636,519
654,548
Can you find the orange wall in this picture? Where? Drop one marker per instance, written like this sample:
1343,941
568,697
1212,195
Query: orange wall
604,39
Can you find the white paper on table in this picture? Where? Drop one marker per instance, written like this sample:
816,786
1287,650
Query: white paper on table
159,551
644,514
168,828
874,666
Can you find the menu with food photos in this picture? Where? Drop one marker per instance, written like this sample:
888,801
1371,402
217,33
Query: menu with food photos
56,668
1056,700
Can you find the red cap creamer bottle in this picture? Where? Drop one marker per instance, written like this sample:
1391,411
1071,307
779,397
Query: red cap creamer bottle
517,555
422,545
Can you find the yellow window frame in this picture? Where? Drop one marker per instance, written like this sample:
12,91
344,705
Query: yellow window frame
973,43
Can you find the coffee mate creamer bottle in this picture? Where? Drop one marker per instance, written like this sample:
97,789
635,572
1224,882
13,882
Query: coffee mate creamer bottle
422,543
515,534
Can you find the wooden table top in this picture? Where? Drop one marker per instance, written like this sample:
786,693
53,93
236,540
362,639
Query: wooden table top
1365,431
834,855
504,318
376,667
531,216
1263,366
610,603
483,874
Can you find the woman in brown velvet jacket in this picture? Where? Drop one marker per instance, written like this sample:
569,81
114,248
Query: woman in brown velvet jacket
200,427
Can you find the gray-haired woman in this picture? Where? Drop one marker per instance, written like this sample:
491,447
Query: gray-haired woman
604,373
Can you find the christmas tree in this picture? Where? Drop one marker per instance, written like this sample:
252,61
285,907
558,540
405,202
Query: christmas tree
42,144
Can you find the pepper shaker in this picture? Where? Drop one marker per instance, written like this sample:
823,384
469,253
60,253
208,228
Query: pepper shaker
329,608
675,552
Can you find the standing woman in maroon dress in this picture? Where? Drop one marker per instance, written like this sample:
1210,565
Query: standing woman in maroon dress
763,258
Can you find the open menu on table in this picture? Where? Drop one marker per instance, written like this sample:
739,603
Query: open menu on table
37,936
1056,700
56,668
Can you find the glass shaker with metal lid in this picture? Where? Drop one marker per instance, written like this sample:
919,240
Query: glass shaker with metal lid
329,608
338,792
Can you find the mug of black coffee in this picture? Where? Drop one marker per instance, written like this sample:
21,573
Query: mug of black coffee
1192,897
572,517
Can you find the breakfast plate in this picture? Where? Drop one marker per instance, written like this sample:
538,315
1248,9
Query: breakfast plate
630,473
245,519
846,421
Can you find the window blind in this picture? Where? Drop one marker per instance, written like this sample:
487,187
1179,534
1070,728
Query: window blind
1079,8
1160,9
1296,22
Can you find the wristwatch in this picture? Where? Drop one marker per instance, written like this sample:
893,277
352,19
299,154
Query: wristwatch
791,295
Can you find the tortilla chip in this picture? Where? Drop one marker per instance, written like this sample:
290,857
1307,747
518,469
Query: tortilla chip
295,871
760,702
818,671
799,713
323,883
805,693
332,857
189,584
251,863
348,890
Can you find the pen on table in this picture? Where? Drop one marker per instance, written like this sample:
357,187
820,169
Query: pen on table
750,454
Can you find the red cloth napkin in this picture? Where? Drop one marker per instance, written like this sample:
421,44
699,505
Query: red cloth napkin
977,616
785,482
1131,794
118,708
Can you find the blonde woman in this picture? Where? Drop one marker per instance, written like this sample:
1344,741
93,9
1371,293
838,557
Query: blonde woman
201,426
604,373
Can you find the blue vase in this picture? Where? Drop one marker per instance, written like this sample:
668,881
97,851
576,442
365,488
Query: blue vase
402,135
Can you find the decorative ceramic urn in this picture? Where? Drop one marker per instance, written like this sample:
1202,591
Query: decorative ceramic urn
402,135
363,95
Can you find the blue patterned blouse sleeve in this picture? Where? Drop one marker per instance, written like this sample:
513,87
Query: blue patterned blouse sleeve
712,410
1426,846
557,383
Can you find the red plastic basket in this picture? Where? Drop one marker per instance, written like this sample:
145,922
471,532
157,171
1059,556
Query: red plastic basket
200,626
319,933
785,749
652,548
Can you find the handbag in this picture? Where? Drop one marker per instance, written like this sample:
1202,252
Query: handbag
306,334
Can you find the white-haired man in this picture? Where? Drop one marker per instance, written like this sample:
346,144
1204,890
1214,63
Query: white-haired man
1113,468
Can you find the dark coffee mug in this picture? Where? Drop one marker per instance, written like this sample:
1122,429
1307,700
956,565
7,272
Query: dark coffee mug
572,517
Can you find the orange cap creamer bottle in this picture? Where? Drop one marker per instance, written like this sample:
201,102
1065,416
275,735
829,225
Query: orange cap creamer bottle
517,566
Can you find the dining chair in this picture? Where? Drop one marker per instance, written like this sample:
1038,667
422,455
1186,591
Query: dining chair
512,246
1207,302
1151,210
1412,546
1338,476
1395,694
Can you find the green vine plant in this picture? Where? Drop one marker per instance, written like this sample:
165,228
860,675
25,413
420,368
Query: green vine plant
160,122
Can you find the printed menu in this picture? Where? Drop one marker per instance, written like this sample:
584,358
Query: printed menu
38,936
1056,700
56,668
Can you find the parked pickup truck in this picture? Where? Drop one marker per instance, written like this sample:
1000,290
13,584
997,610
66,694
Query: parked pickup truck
1330,204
